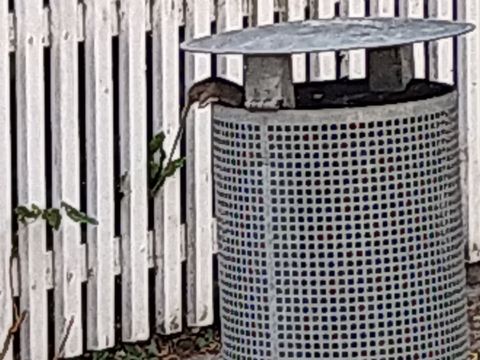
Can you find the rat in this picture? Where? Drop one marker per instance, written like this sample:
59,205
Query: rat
208,91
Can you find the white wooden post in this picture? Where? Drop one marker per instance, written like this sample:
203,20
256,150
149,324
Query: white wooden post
441,51
31,175
382,8
133,160
100,194
353,64
66,173
5,180
199,177
415,9
230,17
469,110
246,8
168,232
323,65
296,12
261,12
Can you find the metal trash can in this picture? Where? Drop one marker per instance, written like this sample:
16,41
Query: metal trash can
339,224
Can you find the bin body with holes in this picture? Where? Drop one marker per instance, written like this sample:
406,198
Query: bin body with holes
340,232
339,219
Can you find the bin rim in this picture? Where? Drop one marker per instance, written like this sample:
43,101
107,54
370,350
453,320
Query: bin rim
337,115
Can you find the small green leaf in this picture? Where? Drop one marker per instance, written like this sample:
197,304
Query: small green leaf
53,217
23,213
134,352
208,335
77,215
120,354
101,355
156,143
36,210
166,173
152,349
201,342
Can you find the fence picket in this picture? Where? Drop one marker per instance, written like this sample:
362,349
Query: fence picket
133,164
66,172
382,8
353,64
100,185
31,175
230,18
5,179
245,8
296,12
441,51
469,108
199,178
415,9
168,234
261,12
322,65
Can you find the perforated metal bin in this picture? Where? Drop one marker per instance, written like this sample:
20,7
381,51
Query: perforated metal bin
339,219
340,232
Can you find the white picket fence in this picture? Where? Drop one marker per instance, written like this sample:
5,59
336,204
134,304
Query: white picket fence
27,28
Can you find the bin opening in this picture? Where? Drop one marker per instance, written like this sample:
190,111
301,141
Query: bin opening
345,93
356,93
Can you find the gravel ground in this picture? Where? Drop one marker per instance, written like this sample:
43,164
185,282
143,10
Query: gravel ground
206,357
473,298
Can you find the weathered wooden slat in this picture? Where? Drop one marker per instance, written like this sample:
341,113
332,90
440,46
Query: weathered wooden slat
45,29
148,15
469,108
230,18
322,65
278,5
80,22
5,179
100,185
114,17
11,32
213,10
199,178
133,168
353,64
261,12
281,7
382,8
296,12
181,12
49,282
441,51
31,175
167,223
66,172
415,9
245,8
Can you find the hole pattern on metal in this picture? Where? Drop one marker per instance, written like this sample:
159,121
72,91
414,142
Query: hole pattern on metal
341,239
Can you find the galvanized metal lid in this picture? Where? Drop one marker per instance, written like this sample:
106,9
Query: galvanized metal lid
327,35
